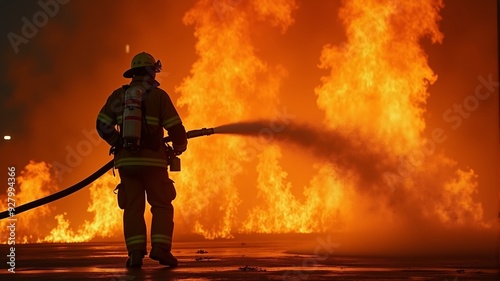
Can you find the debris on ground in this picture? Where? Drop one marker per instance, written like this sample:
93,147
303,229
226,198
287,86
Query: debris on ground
251,268
198,258
201,252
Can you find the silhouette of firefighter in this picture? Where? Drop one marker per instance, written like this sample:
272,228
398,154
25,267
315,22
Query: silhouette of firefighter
132,122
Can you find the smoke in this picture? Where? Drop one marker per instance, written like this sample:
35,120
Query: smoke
434,187
347,152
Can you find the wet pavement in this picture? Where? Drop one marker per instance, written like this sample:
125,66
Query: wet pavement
229,260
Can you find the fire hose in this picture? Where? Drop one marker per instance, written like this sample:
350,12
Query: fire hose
72,189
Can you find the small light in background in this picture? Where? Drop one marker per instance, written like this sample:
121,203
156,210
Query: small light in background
127,48
6,137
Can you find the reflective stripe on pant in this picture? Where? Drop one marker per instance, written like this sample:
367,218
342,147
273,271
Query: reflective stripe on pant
153,181
137,239
161,240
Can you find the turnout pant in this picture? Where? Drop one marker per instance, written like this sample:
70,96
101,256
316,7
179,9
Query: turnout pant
153,182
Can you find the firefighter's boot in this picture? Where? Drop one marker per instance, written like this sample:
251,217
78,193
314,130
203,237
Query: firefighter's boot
164,256
135,259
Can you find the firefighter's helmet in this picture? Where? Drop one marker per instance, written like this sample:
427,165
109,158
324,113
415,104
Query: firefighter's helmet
143,63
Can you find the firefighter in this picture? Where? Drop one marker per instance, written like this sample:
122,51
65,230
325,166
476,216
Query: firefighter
140,111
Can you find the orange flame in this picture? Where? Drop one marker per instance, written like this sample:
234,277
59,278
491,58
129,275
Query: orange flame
458,206
230,78
282,212
377,90
36,181
106,216
32,183
380,76
378,85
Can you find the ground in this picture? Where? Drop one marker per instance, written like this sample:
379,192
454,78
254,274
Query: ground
231,260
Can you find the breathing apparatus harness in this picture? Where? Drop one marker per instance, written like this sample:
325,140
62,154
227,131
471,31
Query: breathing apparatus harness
135,131
133,97
133,117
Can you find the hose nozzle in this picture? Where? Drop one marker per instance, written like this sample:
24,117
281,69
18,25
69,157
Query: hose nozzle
200,132
195,133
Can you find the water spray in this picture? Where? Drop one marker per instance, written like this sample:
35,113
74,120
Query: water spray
349,152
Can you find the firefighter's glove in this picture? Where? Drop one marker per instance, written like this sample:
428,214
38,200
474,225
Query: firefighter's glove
113,150
179,149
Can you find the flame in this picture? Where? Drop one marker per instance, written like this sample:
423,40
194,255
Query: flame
379,78
458,206
106,216
375,96
36,181
378,86
33,182
230,78
282,212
